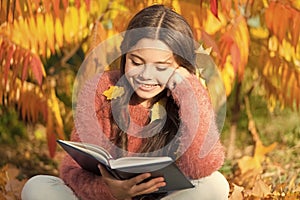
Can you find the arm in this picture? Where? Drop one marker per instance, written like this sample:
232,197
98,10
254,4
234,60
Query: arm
87,122
84,184
198,122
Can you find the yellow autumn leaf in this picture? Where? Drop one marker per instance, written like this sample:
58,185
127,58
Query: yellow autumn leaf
83,22
176,6
242,38
158,110
59,35
49,25
286,50
55,112
68,26
228,76
259,32
212,24
33,29
247,163
74,20
41,34
113,92
273,43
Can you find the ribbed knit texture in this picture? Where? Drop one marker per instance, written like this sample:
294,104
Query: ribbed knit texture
93,118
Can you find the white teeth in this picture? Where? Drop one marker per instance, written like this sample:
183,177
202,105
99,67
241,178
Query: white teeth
148,86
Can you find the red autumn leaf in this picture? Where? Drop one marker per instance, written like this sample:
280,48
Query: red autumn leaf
235,57
77,3
209,42
297,75
8,58
226,6
65,3
286,77
88,4
2,50
269,15
298,100
35,3
27,58
295,28
23,104
16,62
51,137
284,21
33,112
47,6
55,4
18,8
225,44
214,7
36,66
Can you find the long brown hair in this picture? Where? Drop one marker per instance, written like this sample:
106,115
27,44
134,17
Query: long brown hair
164,24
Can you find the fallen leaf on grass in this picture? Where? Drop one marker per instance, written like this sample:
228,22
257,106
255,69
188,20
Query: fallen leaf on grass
260,189
3,178
247,163
13,186
237,193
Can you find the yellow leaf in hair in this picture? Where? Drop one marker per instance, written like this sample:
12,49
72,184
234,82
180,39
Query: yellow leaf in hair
158,110
113,92
203,51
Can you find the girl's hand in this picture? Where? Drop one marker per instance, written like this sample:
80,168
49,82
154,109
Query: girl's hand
178,75
126,189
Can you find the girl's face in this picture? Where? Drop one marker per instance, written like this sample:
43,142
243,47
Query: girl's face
149,66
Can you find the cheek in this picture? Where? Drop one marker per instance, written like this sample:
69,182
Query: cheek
131,71
163,77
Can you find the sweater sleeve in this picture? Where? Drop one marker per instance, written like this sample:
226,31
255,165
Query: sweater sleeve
198,126
88,125
86,185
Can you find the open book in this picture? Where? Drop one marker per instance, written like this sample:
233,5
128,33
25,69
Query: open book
88,156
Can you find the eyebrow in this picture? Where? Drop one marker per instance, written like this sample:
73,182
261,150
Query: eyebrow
158,62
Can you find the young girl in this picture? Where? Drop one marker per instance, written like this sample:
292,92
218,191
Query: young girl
157,76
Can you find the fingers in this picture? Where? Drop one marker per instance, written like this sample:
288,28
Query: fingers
178,75
147,187
171,83
150,186
138,179
131,187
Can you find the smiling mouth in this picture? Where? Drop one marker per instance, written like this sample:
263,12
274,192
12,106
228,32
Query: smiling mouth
145,86
148,85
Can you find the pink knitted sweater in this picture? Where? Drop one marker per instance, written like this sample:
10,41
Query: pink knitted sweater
93,119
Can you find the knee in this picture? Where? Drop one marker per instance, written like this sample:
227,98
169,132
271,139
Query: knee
212,187
220,185
36,187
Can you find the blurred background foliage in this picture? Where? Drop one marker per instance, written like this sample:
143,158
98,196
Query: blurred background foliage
254,44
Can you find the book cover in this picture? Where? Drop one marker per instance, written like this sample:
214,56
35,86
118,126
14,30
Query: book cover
88,156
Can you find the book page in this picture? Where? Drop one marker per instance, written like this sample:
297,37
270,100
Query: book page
97,152
126,162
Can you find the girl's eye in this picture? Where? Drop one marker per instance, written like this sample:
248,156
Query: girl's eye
136,63
162,67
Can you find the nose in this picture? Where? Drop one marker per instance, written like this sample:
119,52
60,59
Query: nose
147,72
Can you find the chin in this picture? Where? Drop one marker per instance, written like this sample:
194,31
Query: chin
145,96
